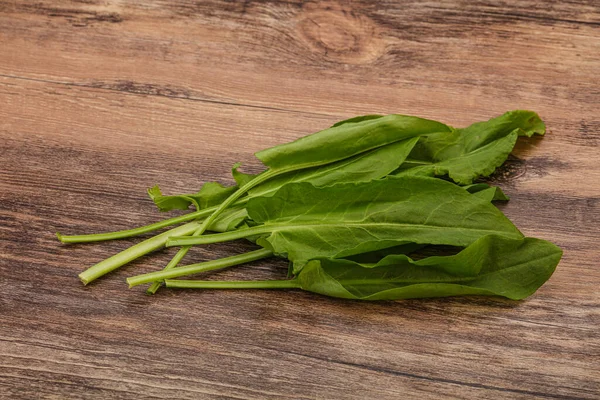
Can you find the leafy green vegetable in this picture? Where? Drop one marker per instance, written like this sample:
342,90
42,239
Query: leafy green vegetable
328,174
229,217
323,204
492,265
466,154
251,182
322,148
302,222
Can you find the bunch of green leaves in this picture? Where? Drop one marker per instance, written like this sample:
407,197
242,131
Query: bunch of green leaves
347,205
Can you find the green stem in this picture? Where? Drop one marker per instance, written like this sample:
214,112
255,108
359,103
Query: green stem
217,237
198,268
135,251
98,237
189,284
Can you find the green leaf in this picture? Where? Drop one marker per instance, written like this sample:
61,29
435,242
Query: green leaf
364,167
480,190
492,265
211,194
466,154
302,222
168,203
346,140
528,122
461,168
342,220
241,178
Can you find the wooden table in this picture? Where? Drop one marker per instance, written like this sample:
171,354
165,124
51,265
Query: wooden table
101,99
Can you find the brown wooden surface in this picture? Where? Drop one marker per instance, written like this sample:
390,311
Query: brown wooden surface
101,99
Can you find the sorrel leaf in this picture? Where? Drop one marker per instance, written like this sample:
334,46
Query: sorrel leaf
346,140
302,222
466,154
492,265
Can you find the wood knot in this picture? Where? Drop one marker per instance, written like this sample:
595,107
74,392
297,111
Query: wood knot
339,35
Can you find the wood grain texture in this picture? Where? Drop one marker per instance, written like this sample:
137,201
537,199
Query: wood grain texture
101,99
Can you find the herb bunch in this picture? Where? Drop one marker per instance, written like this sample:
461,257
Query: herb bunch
352,207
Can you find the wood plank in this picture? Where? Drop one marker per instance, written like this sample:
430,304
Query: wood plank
534,60
101,100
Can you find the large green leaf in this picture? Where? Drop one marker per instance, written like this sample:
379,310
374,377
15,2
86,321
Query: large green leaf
480,190
492,265
346,140
302,222
364,167
342,220
466,154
